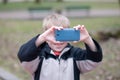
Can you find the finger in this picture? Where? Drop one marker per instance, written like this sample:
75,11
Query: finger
82,27
74,27
53,28
59,28
77,27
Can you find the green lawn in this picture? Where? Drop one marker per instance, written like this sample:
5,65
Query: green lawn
54,5
91,24
13,33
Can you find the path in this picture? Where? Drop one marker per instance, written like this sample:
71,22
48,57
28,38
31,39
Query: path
25,14
4,75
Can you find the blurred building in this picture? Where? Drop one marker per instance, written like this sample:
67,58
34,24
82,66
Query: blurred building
64,0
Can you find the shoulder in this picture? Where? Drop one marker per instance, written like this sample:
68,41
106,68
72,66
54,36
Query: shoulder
76,52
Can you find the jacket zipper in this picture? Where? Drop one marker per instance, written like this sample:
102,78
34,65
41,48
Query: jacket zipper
59,67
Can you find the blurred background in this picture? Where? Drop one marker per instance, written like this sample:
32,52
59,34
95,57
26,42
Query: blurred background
20,20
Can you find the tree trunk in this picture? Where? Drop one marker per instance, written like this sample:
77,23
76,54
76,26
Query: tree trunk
5,1
119,2
37,1
59,0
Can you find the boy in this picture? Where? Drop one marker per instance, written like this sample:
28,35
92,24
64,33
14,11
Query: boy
47,59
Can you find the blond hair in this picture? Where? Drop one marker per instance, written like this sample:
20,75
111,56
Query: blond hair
55,20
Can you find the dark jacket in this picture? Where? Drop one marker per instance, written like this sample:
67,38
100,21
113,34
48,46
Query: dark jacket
44,65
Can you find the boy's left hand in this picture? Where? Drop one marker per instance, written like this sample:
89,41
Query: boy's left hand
84,35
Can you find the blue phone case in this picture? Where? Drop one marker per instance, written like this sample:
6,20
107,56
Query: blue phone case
67,34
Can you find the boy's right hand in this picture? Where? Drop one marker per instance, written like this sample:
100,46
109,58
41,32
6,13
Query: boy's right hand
48,35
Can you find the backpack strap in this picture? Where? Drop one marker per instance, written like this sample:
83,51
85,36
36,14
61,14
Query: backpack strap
76,69
41,56
37,73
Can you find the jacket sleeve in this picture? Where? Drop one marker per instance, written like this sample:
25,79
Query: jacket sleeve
29,55
87,59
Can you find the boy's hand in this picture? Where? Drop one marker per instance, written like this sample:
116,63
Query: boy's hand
85,37
48,35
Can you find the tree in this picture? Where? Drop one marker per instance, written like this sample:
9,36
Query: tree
59,0
38,1
5,1
119,2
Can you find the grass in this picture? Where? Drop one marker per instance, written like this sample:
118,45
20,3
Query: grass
54,5
27,26
13,33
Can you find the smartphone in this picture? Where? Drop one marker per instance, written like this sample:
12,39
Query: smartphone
67,34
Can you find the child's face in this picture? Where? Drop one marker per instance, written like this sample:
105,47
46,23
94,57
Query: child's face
57,46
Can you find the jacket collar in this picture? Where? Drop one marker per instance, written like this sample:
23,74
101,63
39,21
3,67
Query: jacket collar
51,53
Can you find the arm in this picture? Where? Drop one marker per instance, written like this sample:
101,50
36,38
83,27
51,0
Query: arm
88,59
28,55
85,37
30,51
